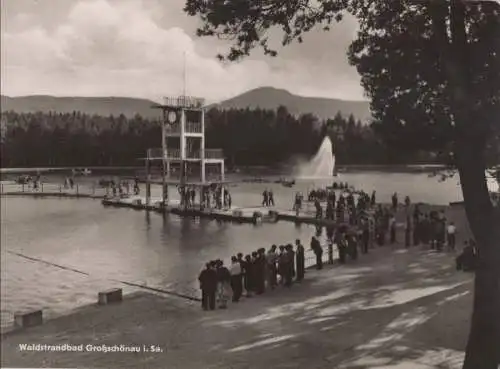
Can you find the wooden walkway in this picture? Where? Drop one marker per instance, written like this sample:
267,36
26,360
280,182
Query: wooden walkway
253,215
237,214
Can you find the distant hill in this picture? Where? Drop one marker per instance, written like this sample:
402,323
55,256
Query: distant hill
104,106
272,98
264,98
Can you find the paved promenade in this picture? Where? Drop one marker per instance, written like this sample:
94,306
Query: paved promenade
393,308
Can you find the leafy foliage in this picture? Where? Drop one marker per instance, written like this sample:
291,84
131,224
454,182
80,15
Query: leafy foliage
246,22
398,54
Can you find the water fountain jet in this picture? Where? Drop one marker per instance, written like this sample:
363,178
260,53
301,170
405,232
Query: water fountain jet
322,165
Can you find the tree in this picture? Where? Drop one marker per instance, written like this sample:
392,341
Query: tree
432,71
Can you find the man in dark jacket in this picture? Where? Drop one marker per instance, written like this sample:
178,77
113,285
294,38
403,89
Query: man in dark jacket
223,284
208,286
260,271
248,271
318,251
290,264
300,260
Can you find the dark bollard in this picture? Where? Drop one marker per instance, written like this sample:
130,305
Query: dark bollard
28,319
110,296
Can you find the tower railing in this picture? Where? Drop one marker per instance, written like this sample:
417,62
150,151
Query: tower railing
184,102
214,154
172,153
193,127
196,154
157,153
190,127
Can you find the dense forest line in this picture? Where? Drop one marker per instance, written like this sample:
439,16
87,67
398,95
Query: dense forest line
248,137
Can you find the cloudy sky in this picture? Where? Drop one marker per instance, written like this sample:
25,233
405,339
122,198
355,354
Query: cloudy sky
135,48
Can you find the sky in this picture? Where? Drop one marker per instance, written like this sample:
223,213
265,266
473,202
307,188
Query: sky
138,48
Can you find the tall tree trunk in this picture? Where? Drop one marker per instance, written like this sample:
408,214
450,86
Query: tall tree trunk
483,347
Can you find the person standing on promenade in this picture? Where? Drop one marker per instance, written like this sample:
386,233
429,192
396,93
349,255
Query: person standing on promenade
208,286
236,279
223,284
318,251
300,260
241,261
258,273
263,271
392,228
248,272
330,233
395,201
425,230
287,275
408,229
417,226
281,264
352,245
373,199
291,259
451,230
341,246
365,236
441,224
271,267
407,202
467,260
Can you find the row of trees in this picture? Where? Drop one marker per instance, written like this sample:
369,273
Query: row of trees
248,137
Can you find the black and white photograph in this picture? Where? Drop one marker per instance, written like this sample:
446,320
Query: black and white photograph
250,184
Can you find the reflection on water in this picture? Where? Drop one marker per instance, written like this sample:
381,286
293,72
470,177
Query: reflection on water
159,251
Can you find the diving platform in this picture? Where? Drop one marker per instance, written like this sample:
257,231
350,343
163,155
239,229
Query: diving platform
183,156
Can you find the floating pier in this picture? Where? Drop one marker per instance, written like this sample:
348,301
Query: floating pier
249,215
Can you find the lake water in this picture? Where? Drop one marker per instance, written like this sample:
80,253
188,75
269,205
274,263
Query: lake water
164,252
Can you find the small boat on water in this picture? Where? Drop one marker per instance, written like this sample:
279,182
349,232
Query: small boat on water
290,183
24,179
81,172
285,182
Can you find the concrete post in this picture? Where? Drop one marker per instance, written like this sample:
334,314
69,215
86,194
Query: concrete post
148,184
165,165
202,165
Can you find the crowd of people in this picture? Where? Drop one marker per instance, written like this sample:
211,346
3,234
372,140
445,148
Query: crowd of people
260,271
252,274
282,265
31,181
120,187
211,196
342,208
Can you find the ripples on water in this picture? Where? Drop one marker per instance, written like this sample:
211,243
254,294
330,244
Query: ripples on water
164,252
